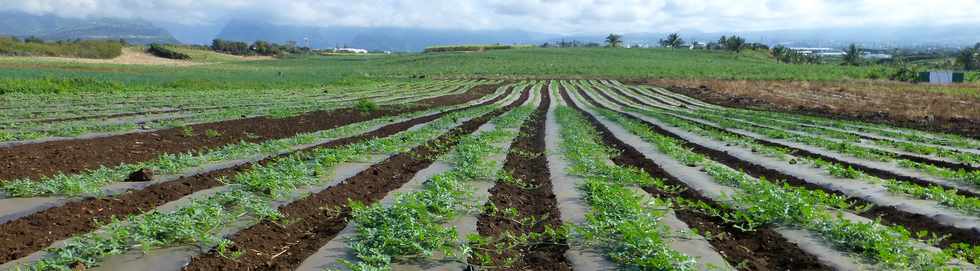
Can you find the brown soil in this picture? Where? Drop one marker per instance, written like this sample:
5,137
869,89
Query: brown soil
25,235
763,249
537,201
888,215
904,105
75,156
315,220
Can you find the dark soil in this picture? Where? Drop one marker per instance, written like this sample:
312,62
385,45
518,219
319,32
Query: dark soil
315,220
888,215
537,201
75,156
762,249
28,234
961,126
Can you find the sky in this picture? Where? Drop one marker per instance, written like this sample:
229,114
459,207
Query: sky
543,16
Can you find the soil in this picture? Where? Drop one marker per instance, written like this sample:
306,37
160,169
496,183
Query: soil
75,156
315,220
917,110
883,174
23,236
762,249
888,215
537,201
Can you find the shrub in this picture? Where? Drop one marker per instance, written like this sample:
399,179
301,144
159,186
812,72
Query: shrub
366,106
164,52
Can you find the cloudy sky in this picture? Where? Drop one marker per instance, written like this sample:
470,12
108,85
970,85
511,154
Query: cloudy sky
548,16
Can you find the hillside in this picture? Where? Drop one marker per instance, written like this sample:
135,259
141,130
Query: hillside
50,27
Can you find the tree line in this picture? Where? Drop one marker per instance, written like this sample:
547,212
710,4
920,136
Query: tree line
259,47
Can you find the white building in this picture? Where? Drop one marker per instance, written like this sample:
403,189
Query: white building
350,50
819,51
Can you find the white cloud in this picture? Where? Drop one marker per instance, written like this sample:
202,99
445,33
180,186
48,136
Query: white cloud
551,16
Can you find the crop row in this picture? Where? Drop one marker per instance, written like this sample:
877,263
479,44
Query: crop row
850,138
970,177
250,195
204,100
760,202
414,224
91,182
75,128
965,204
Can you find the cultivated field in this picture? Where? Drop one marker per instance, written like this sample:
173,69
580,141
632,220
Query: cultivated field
465,174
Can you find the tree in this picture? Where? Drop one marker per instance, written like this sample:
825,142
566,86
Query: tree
780,53
33,39
672,41
967,57
852,55
614,40
734,43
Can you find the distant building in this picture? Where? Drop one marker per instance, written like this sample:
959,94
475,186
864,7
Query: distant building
819,51
870,55
350,50
941,77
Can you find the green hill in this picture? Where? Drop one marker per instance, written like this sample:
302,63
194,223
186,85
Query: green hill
50,27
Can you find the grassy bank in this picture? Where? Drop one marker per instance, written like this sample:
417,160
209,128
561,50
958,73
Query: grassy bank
80,49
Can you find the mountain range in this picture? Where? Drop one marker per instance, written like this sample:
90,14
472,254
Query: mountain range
408,39
50,27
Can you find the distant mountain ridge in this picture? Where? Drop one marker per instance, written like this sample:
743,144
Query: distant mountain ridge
50,27
372,38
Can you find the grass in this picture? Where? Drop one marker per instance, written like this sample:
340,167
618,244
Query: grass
315,71
83,49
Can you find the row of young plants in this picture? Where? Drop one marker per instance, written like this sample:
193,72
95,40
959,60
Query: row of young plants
92,181
634,90
413,226
28,131
760,202
917,148
623,224
947,197
207,99
970,177
250,196
915,136
45,104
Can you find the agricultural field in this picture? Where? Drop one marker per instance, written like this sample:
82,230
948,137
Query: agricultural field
423,162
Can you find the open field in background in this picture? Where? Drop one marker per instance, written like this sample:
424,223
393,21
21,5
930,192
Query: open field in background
314,71
490,174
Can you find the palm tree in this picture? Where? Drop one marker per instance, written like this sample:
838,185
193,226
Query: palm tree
672,41
967,58
852,55
614,40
